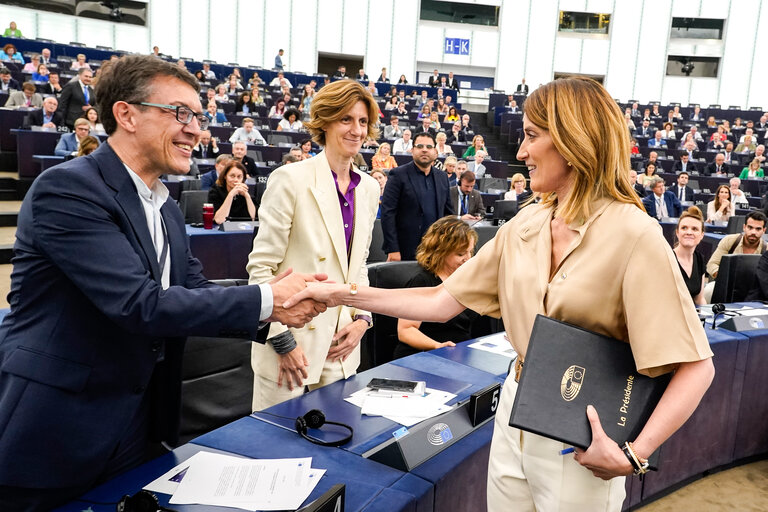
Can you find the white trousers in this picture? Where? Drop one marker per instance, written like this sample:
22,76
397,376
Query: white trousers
266,393
526,472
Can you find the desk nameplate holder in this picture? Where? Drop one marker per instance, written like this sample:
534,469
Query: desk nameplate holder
426,439
239,225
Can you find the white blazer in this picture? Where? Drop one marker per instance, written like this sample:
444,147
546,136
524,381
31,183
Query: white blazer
300,227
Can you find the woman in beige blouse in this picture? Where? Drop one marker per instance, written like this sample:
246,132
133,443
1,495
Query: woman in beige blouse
589,228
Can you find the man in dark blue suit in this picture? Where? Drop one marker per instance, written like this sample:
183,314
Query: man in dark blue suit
104,290
416,195
661,203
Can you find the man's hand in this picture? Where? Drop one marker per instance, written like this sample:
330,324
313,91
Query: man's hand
214,142
393,256
348,338
286,285
292,368
467,216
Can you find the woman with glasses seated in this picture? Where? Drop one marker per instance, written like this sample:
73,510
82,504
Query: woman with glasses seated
517,190
230,195
245,104
447,244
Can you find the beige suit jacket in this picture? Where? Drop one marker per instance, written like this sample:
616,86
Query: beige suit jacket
300,227
18,99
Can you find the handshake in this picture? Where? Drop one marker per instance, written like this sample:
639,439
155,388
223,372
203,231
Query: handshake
287,289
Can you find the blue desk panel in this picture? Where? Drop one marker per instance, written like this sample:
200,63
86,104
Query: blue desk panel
370,431
752,415
425,361
223,254
491,363
257,439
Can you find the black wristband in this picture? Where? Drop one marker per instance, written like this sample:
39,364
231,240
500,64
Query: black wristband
283,342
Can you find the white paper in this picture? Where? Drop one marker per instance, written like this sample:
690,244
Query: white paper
169,482
250,484
496,344
407,410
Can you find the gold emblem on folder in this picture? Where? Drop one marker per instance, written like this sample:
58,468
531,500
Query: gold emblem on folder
570,386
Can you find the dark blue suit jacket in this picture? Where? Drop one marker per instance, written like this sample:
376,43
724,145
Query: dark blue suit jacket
402,214
674,208
91,329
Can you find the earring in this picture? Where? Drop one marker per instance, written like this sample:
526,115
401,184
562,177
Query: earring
570,164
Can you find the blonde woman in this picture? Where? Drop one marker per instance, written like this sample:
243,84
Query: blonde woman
443,149
383,158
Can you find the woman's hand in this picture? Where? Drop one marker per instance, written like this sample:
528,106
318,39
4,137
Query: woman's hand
604,458
348,338
239,189
724,204
292,368
446,344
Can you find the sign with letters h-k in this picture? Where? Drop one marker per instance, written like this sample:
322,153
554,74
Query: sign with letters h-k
456,46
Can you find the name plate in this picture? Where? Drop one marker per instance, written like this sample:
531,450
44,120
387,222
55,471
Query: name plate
483,404
425,440
331,501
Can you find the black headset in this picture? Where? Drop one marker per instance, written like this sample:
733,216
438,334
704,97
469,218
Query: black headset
142,501
316,419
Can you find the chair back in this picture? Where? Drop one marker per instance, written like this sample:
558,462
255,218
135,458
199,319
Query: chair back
375,252
735,277
191,205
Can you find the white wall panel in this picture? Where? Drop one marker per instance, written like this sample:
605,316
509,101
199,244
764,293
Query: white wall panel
430,41
513,43
483,51
223,35
134,38
194,28
303,38
354,28
713,8
330,26
541,44
98,33
25,21
163,28
594,57
404,39
739,51
274,24
380,34
624,41
758,73
250,36
568,51
702,91
61,29
651,53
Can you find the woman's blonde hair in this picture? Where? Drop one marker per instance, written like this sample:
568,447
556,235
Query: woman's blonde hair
87,145
755,162
378,150
443,238
333,102
588,130
518,176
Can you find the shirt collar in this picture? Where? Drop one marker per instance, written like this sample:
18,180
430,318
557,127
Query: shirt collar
157,195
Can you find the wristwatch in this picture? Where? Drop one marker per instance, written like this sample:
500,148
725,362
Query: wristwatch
367,319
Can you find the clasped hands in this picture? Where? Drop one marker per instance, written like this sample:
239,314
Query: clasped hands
286,285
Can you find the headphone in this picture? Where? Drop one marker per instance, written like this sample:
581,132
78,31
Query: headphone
316,419
142,501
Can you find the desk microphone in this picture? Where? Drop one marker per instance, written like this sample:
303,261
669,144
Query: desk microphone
717,310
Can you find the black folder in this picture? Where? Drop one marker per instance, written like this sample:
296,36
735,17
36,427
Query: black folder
567,368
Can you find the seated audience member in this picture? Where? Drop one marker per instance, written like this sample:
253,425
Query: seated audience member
717,167
452,116
466,124
715,145
394,130
661,203
690,147
696,115
280,81
635,185
208,179
383,76
668,132
392,103
684,165
644,130
449,166
719,135
424,113
634,150
381,177
208,74
402,110
207,147
443,149
47,117
278,109
753,170
711,123
748,146
402,80
290,121
457,134
630,124
657,141
221,94
215,118
749,241
92,116
738,197
200,76
676,113
694,133
441,107
649,173
87,146
40,74
255,81
749,132
11,54
760,153
517,191
70,142
476,166
341,72
233,84
12,31
721,208
478,144
728,152
404,144
467,201
446,245
244,103
80,63
646,114
434,122
682,191
383,159
247,133
370,142
655,111
210,95
27,97
8,83
361,75
689,233
239,154
230,195
306,149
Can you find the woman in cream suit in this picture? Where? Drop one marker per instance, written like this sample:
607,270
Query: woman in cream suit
317,216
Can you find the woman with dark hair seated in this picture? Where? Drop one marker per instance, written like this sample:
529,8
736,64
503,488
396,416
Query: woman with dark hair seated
245,103
447,244
230,195
290,121
199,75
689,233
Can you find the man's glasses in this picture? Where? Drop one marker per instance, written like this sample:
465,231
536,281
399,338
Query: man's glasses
184,115
424,146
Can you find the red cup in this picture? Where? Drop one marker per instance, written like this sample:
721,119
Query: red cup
207,216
